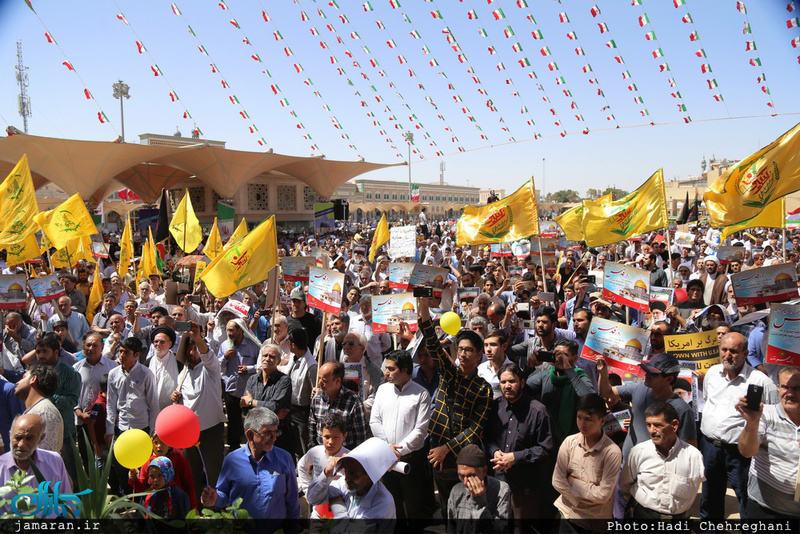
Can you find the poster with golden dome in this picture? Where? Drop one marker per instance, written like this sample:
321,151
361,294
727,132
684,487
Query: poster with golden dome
621,345
388,311
627,286
325,289
783,345
295,268
775,283
12,291
425,275
46,288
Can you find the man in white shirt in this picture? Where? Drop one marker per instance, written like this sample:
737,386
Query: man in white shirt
494,347
721,425
400,416
91,369
661,476
76,322
377,344
163,364
770,438
200,388
302,371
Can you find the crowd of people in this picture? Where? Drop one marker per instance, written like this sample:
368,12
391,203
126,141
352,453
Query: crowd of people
501,426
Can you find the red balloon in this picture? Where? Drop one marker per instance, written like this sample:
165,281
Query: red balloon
178,426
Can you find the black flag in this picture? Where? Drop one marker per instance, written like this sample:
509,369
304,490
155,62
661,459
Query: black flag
694,214
162,229
684,216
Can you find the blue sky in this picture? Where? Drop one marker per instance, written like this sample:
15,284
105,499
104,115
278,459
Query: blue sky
103,48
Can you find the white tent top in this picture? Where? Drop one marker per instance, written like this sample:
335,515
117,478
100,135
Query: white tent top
95,169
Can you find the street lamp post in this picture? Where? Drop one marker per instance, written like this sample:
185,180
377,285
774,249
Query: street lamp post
409,137
120,92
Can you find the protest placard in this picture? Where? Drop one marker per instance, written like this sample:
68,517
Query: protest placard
388,311
468,293
402,242
783,343
400,275
521,249
548,228
615,422
324,222
627,285
684,239
46,288
99,249
12,291
726,254
295,268
425,275
699,350
325,289
660,299
548,246
775,283
621,345
500,250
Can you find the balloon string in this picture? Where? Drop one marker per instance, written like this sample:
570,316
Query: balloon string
203,462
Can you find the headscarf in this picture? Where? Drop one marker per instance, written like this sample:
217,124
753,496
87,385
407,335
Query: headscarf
160,502
247,333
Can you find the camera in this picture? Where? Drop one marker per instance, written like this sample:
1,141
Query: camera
527,325
423,292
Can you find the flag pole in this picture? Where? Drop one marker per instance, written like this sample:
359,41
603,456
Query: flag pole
783,227
541,259
321,350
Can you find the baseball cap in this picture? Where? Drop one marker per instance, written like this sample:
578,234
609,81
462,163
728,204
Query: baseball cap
661,363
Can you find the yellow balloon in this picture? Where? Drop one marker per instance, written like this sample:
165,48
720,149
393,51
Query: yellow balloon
450,323
132,448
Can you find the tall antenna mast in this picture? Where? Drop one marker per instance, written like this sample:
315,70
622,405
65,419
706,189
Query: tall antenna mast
441,172
23,99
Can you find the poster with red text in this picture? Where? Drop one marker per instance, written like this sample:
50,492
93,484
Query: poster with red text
325,289
621,345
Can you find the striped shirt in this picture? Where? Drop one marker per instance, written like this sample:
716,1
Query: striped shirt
462,402
773,471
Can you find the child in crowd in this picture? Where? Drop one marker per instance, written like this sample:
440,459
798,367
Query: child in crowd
166,499
334,432
182,473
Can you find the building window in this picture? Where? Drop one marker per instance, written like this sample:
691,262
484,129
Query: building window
402,197
437,197
216,198
386,196
310,197
257,197
287,198
198,197
369,196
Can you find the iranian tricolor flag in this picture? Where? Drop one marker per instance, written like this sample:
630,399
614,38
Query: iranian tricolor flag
572,36
552,66
87,94
472,15
663,67
681,107
718,98
632,87
678,3
517,47
176,10
102,117
694,36
579,51
508,32
741,8
394,3
173,96
626,74
522,3
545,51
700,53
563,17
524,62
603,27
793,23
756,62
712,83
644,19
436,14
587,68
611,44
482,32
687,19
368,7
537,34
650,36
156,70
498,14
795,42
705,67
594,11
658,52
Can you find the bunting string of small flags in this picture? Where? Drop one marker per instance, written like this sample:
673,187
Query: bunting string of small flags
755,60
793,23
705,65
427,96
663,67
154,68
572,35
70,65
242,111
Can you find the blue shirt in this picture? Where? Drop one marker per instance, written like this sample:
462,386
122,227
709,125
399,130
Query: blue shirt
10,407
754,355
268,488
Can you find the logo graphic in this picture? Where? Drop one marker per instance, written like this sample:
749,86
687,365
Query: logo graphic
624,219
48,502
238,262
498,223
758,185
66,222
15,189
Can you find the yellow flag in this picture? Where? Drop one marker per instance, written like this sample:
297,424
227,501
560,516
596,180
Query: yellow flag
756,181
381,236
125,249
78,249
641,211
508,219
18,207
185,227
95,296
571,221
23,251
244,263
147,263
213,246
773,216
67,221
237,234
